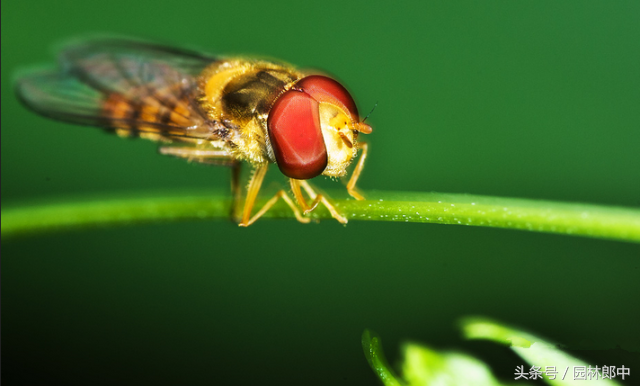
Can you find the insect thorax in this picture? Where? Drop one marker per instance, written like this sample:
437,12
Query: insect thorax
239,93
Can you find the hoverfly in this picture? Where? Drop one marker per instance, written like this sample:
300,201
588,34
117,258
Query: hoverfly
210,110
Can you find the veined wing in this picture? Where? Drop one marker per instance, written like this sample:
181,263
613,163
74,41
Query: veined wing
130,87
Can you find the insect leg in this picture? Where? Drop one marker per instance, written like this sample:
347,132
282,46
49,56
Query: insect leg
199,155
332,209
252,193
351,186
194,154
281,194
236,191
297,193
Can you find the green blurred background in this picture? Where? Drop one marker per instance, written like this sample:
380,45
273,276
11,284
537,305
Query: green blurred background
522,99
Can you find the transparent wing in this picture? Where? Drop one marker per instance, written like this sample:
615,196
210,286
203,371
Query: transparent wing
128,86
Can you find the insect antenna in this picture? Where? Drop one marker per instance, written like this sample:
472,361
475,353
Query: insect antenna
374,107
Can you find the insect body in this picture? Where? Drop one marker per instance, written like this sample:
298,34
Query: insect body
210,110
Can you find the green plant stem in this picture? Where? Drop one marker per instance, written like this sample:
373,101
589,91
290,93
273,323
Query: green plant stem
540,216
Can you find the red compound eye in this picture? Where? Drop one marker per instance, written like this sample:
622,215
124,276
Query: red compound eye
296,136
327,90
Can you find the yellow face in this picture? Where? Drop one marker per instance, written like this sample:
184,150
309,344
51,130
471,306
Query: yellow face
339,139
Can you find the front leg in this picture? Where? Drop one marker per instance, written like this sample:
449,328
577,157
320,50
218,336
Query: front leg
351,186
297,193
317,198
252,194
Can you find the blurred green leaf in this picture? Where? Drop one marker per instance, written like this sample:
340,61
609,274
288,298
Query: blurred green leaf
534,350
423,366
373,352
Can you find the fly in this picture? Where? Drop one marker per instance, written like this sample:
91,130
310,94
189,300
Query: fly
212,110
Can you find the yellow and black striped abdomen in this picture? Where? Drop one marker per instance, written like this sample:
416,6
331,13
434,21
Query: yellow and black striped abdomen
161,113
